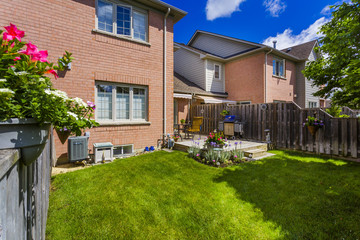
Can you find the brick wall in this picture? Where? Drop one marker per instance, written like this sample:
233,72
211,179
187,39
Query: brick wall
60,25
245,79
281,89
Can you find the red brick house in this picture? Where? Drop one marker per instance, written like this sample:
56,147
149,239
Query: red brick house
242,72
120,60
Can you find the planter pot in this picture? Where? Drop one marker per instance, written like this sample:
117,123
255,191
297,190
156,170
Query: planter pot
25,134
63,135
313,130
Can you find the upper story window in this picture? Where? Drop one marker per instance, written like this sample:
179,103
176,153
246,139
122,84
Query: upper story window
121,103
279,67
217,71
122,20
312,104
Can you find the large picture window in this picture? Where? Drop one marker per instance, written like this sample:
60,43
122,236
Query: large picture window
122,19
279,67
117,102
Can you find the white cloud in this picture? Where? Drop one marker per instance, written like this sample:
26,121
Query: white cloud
275,7
326,10
288,39
221,8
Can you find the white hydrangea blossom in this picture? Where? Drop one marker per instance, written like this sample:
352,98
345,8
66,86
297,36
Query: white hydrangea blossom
57,93
21,73
80,102
41,80
2,80
6,91
73,115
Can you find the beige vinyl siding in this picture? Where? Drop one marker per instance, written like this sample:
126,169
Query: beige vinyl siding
189,65
212,84
309,90
219,46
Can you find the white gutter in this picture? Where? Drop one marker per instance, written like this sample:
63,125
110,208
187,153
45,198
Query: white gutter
164,69
266,54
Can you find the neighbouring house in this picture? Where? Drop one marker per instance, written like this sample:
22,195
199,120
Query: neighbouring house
247,72
304,89
187,93
123,61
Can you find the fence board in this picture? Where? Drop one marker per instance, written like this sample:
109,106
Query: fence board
344,143
24,196
353,137
338,137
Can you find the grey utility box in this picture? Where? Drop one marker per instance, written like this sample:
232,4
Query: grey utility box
103,152
77,148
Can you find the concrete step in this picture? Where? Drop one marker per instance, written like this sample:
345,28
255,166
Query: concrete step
255,153
260,146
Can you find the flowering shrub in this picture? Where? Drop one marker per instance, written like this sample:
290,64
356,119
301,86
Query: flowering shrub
26,90
215,139
313,121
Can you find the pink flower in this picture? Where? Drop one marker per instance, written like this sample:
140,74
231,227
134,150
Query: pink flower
30,49
41,56
213,160
91,104
235,156
12,33
17,58
197,155
53,72
34,53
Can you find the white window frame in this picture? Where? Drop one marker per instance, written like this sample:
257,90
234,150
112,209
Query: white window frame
313,104
131,87
219,78
284,69
114,18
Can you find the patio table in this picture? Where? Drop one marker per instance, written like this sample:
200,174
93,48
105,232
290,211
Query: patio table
183,127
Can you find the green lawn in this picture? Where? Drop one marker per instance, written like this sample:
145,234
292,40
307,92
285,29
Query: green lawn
170,196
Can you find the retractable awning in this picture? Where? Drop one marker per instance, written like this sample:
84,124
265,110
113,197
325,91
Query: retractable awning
180,95
214,100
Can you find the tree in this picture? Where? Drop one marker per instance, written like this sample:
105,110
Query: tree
338,74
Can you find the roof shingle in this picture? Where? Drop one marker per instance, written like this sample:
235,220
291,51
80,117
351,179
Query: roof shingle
301,51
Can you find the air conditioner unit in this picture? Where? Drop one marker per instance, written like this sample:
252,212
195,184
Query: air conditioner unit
77,148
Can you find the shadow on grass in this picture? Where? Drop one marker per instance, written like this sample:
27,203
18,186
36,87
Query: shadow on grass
309,197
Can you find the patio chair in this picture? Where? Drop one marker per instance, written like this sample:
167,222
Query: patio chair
195,126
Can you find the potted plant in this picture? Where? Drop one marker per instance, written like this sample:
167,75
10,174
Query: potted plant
224,113
215,140
182,121
28,102
313,124
176,138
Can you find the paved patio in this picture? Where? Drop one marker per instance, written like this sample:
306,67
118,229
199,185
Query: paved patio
257,150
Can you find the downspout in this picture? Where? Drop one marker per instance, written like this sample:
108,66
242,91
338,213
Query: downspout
164,72
265,71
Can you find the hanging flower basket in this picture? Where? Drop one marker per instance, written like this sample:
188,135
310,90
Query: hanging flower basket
63,134
312,130
313,124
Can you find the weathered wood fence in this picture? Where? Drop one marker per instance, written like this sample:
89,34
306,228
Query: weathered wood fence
24,195
339,136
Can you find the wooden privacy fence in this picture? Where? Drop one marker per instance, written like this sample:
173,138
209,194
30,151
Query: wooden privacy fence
339,136
24,195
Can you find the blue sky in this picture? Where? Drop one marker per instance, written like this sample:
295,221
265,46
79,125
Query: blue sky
290,22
